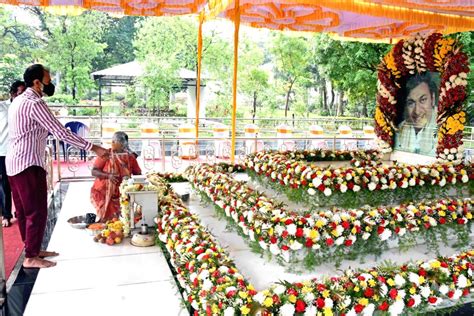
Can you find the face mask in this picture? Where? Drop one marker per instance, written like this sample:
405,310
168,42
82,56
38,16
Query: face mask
48,89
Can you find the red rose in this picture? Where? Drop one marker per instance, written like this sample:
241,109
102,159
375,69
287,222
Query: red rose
384,306
442,220
309,242
359,308
273,240
276,299
432,299
320,303
369,292
348,242
345,224
299,232
300,306
329,242
411,302
393,294
380,229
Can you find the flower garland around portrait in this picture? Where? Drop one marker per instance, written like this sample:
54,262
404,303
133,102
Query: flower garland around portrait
420,54
333,234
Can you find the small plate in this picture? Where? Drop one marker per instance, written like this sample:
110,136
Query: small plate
78,222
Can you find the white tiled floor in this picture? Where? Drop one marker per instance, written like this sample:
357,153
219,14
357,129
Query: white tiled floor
96,279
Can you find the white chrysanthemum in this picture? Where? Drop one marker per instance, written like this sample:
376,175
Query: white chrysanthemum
356,188
274,249
327,192
291,229
368,310
385,234
414,278
417,299
287,310
262,244
399,280
425,291
372,186
311,191
310,311
462,281
396,308
279,289
317,182
296,245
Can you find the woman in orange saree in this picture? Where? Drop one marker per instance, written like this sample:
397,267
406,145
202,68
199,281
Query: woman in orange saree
109,173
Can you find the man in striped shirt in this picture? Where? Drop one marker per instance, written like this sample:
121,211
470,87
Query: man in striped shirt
29,121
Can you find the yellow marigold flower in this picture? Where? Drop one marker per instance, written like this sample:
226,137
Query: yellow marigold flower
244,310
435,264
372,283
469,215
442,213
326,293
421,279
268,302
328,311
306,289
313,234
364,301
363,284
292,298
243,294
319,223
270,231
390,282
412,290
356,289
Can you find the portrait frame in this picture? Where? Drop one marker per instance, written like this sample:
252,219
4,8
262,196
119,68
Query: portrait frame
418,55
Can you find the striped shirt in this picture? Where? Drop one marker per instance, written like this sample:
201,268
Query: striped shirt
29,120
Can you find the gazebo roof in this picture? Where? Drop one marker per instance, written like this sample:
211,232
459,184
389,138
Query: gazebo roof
128,72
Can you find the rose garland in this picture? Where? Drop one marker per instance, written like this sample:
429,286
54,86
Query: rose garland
436,54
326,232
213,286
296,174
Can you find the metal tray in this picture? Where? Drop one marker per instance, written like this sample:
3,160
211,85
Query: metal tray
78,222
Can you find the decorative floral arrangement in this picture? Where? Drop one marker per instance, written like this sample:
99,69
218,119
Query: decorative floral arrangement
213,286
317,185
396,290
126,187
418,55
357,158
210,281
331,234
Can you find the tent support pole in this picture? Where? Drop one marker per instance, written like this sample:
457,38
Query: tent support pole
234,84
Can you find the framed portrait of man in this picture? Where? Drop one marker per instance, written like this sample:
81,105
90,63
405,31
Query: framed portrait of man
417,130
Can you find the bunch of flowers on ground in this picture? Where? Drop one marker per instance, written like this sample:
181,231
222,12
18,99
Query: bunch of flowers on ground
324,234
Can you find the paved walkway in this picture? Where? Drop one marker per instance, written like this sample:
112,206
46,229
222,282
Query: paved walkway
96,279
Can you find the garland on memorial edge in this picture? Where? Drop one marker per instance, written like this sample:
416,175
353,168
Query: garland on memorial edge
352,186
213,285
418,55
331,234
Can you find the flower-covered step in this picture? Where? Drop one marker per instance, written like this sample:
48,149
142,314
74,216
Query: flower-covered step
330,235
353,187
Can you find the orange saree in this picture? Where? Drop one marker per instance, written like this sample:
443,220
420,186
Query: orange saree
105,195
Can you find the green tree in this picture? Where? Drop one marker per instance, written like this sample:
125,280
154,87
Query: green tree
253,80
166,45
351,68
72,43
292,62
118,35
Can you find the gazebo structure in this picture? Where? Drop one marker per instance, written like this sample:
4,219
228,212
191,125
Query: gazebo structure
128,73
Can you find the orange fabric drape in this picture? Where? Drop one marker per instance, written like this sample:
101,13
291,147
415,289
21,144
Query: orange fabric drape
234,84
198,77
